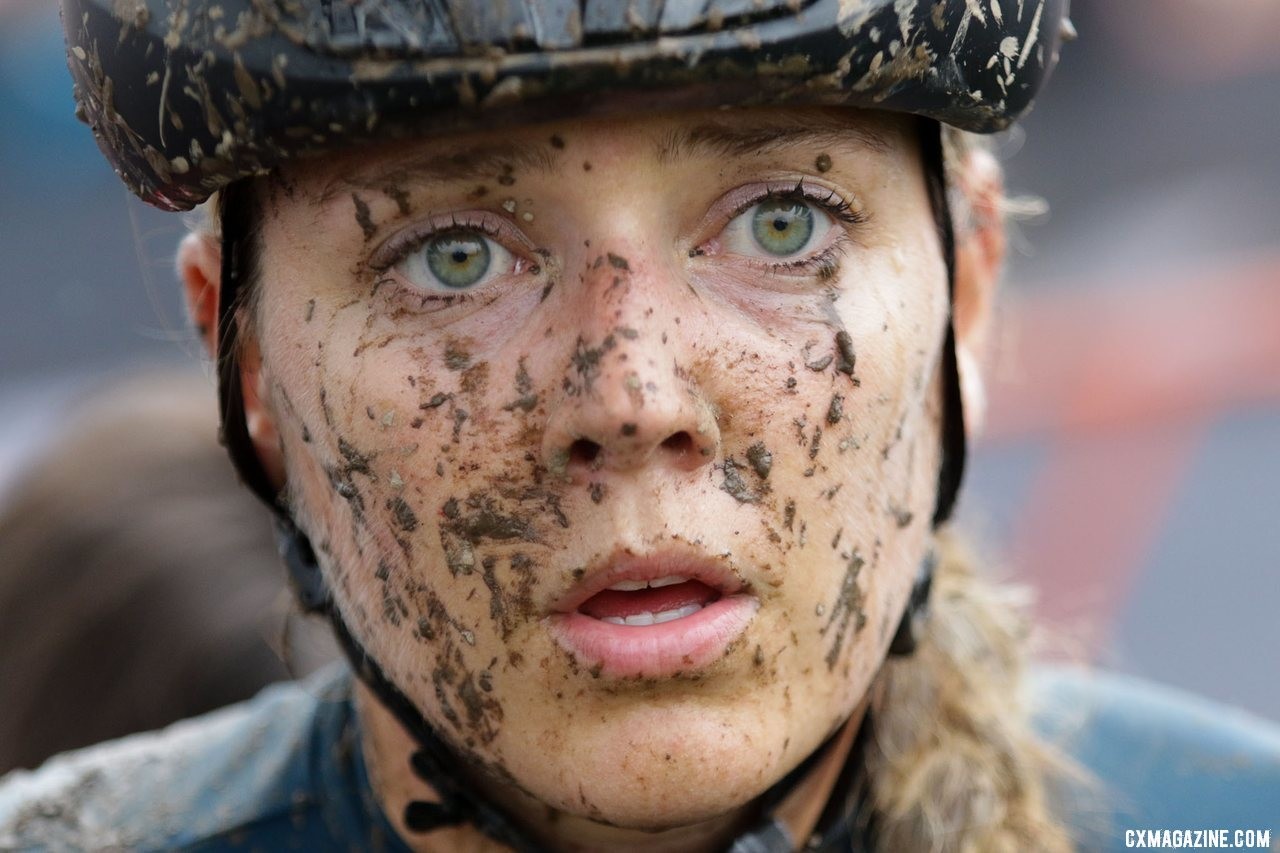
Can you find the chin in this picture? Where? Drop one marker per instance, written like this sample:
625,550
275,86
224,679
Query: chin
661,767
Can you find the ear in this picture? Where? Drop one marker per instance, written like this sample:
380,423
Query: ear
980,250
200,268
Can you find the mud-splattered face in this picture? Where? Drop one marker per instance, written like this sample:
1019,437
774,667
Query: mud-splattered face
691,358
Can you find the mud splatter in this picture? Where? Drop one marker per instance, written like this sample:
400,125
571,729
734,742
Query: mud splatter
848,359
735,485
760,459
363,219
405,518
525,400
847,610
835,411
455,357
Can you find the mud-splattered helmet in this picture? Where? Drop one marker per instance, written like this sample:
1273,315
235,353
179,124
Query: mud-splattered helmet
187,97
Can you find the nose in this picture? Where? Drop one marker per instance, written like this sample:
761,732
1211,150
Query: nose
628,399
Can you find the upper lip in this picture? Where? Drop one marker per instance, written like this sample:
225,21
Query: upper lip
717,572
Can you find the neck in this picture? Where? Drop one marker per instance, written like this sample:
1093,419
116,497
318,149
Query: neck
387,747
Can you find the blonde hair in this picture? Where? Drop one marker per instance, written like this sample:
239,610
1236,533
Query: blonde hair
954,763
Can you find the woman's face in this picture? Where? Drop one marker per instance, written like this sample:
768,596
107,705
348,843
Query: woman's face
618,441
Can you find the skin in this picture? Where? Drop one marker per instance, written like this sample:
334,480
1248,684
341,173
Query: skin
635,382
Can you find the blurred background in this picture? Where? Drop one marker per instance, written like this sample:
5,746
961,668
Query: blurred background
1130,468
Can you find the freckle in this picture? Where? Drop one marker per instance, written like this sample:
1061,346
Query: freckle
823,163
628,429
586,167
506,180
557,141
480,191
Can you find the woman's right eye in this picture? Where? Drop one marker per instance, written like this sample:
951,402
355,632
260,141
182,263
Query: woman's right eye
455,261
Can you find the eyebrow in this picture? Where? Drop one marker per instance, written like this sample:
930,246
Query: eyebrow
706,140
728,140
460,166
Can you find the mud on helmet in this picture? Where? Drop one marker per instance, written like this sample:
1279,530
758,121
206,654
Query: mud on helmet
189,97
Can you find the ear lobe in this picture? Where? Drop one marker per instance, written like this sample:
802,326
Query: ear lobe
980,251
200,268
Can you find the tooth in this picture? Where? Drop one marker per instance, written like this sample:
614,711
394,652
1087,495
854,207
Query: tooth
628,586
670,580
638,620
678,613
613,620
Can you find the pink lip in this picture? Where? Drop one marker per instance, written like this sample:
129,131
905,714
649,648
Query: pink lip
654,651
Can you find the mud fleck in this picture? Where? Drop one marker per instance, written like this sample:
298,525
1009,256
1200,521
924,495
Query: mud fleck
848,359
820,364
816,443
477,519
789,515
406,520
526,399
597,492
310,310
735,485
847,610
835,411
455,357
363,219
760,459
823,163
628,429
400,197
618,262
437,400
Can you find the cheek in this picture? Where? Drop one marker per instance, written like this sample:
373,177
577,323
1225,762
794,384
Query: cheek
401,450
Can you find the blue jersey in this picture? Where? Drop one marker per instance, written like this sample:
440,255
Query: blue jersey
284,772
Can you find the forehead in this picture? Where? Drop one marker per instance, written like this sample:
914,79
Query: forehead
667,139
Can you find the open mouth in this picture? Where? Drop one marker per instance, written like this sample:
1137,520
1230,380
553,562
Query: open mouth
653,617
642,603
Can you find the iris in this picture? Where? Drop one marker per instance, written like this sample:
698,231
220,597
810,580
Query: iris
782,226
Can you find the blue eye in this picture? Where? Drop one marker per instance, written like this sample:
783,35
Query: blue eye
455,261
458,260
782,227
777,229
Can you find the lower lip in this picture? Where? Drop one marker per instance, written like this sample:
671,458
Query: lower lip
655,651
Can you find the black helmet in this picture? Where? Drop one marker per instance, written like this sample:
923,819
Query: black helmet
186,98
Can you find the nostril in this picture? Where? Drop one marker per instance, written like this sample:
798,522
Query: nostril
584,451
679,443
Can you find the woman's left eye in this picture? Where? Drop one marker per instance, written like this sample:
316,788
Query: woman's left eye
777,229
455,261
